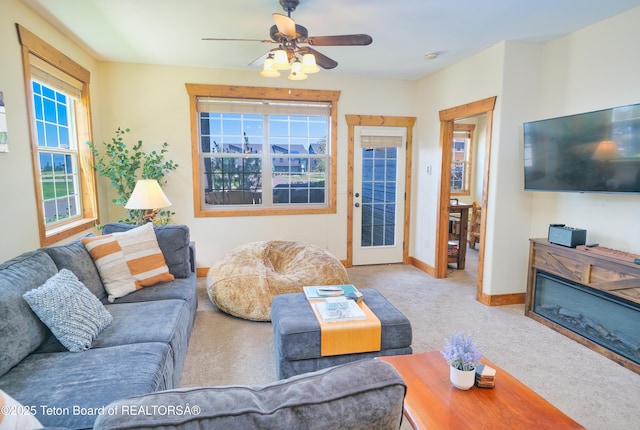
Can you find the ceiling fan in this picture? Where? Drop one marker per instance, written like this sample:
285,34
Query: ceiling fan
293,40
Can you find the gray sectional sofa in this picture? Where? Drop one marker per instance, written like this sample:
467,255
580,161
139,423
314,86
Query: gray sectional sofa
128,378
141,351
362,395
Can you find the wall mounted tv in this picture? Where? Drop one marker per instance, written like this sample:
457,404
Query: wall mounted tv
589,152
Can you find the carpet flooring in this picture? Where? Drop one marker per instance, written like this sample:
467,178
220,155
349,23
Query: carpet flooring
591,389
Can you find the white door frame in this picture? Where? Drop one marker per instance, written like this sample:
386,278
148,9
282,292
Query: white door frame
378,121
378,254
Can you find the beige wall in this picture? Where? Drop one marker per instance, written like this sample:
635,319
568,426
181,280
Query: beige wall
18,220
153,102
474,79
595,68
530,81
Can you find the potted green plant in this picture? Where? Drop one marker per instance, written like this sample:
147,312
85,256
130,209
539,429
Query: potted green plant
124,165
463,355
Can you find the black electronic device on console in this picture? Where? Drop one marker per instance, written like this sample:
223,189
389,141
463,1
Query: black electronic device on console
560,234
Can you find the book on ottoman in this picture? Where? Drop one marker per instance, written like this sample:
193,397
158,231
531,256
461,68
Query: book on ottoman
323,291
335,309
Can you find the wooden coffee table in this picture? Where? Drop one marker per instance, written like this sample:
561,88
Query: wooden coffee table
433,403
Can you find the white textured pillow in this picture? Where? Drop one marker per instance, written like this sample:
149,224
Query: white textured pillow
14,416
73,314
128,261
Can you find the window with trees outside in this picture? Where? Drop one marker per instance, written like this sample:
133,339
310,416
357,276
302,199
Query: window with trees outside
461,159
269,155
58,100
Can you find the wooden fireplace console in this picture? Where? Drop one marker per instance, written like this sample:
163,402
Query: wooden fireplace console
608,271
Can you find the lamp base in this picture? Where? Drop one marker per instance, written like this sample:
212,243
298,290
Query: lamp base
150,214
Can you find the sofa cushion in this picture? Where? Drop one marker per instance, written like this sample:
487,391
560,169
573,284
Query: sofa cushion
76,386
180,289
75,257
21,330
166,321
128,261
72,313
367,394
174,242
183,289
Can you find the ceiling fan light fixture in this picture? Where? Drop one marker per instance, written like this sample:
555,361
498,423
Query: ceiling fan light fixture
309,64
290,39
268,69
296,72
281,60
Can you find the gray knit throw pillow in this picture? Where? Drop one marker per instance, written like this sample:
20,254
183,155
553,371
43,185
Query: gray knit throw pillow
73,314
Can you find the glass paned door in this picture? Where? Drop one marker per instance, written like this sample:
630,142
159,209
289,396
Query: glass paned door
378,196
378,212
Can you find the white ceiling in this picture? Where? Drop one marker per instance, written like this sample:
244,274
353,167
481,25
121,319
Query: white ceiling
169,32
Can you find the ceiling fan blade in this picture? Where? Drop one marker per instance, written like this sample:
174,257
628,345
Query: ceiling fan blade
285,25
321,59
344,40
238,40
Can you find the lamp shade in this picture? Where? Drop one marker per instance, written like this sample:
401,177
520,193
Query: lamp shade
282,60
147,194
296,72
606,150
269,69
309,64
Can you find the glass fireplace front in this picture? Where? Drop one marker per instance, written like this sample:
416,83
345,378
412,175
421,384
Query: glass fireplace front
609,321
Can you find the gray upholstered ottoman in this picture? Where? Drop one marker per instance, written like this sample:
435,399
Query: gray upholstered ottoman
296,334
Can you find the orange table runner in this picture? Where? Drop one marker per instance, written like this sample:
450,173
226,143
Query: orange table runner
348,337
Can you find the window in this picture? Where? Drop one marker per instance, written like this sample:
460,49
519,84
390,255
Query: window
57,153
263,156
461,159
58,100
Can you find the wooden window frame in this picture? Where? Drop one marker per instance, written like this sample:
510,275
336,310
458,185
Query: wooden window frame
33,45
468,162
261,93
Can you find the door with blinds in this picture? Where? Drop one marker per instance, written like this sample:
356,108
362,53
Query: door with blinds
378,194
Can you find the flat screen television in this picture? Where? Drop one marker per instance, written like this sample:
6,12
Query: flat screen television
589,152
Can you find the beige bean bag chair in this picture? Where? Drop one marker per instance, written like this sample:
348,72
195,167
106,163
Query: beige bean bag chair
244,281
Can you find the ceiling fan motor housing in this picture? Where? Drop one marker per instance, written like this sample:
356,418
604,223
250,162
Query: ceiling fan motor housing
289,5
301,34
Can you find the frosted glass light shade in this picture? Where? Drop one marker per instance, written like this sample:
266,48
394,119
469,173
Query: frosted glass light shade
282,60
269,70
296,72
309,64
147,194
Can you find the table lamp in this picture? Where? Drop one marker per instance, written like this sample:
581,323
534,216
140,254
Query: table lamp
147,195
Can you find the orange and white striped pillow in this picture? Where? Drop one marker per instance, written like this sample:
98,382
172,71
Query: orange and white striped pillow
128,261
